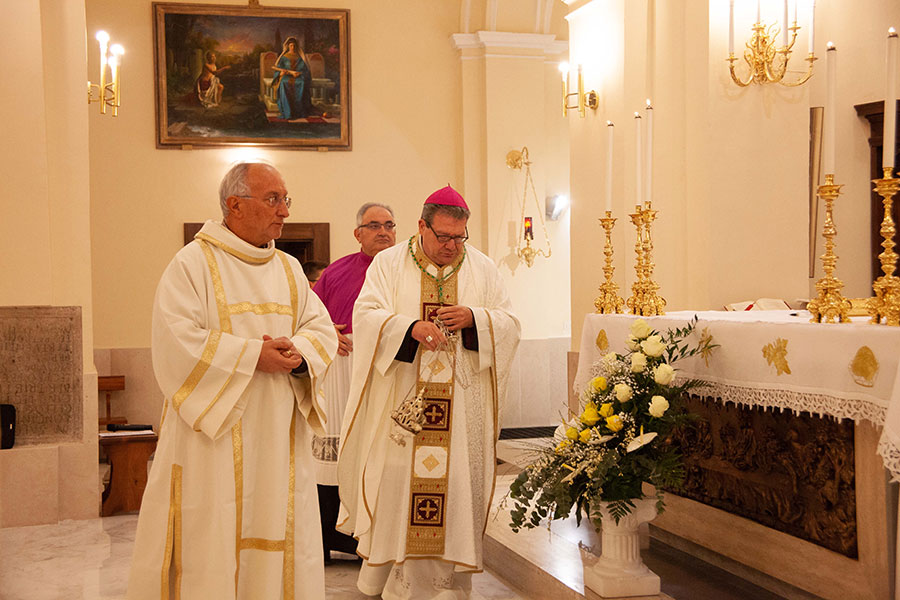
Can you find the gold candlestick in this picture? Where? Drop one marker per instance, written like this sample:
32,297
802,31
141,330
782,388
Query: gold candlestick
886,303
634,301
609,301
829,305
654,304
644,299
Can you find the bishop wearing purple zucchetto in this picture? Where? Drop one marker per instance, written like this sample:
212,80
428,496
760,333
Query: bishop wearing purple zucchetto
434,329
338,286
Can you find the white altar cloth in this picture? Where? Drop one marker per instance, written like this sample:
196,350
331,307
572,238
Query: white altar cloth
825,369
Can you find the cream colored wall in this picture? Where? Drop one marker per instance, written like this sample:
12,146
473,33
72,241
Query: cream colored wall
44,238
730,164
407,129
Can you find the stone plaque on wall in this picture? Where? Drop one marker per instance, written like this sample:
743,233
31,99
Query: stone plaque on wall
41,371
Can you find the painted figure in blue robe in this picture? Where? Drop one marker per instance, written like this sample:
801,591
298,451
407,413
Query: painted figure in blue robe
292,82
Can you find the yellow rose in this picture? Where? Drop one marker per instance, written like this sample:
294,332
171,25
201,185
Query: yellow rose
572,433
606,409
585,435
614,423
598,384
590,414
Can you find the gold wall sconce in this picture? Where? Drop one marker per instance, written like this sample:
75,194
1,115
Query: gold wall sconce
108,90
582,100
516,160
767,62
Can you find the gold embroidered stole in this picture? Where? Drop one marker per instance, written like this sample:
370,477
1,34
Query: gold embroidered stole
431,447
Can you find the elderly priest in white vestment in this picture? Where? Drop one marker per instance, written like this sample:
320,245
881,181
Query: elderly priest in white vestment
240,345
432,323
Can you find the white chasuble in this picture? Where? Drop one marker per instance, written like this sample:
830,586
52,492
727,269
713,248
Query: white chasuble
230,509
427,497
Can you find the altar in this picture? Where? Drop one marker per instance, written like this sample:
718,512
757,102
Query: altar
784,389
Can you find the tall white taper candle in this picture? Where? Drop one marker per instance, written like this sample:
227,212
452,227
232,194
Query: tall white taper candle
812,28
830,107
731,27
890,102
648,163
610,131
639,172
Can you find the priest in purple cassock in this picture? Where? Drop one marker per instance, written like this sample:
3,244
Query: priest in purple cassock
338,286
433,321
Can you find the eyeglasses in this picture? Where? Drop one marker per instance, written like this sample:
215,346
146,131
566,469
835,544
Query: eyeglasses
375,226
459,240
273,200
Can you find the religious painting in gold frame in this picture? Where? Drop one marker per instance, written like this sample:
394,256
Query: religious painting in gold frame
251,75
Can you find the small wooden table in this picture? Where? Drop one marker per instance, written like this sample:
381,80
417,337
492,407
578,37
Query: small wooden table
128,456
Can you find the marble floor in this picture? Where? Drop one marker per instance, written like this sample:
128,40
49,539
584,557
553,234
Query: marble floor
89,560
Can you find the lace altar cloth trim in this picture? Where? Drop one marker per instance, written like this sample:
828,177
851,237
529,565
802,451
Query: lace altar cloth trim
889,450
818,404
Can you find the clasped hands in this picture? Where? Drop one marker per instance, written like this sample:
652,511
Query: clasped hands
278,355
454,317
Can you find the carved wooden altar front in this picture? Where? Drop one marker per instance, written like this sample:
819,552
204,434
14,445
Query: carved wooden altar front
794,474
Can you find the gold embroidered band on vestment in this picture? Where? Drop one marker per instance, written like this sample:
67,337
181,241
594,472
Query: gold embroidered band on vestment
431,447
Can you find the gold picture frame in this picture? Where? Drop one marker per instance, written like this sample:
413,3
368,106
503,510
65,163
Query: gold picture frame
265,76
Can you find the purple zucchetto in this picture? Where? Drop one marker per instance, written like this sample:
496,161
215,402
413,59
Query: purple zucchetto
447,196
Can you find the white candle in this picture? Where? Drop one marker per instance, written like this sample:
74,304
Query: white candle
796,2
731,28
830,107
812,28
648,164
610,130
758,11
784,25
103,40
890,103
638,156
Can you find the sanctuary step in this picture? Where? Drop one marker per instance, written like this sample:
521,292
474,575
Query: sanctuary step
547,562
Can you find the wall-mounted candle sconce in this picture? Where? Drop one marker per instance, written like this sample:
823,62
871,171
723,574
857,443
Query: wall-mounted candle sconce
108,90
582,100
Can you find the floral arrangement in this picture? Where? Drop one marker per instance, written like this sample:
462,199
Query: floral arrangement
621,438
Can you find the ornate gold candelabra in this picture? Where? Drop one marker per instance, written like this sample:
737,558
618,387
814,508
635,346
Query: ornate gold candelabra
768,63
886,303
829,305
609,301
644,299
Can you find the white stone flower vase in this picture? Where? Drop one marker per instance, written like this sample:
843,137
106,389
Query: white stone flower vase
619,571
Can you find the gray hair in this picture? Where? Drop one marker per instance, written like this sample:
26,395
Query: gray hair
362,210
235,183
454,212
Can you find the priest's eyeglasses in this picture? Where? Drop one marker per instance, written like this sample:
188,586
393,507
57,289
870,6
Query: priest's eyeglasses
273,200
375,226
442,239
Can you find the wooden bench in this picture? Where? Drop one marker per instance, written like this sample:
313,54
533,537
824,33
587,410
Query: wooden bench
128,455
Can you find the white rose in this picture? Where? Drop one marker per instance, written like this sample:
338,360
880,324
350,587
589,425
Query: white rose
632,343
623,392
653,346
658,406
638,362
610,359
640,329
663,374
